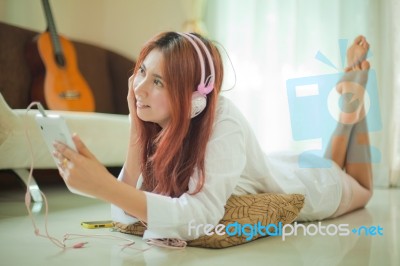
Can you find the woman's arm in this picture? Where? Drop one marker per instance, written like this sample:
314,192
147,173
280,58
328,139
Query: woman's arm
86,174
127,198
131,170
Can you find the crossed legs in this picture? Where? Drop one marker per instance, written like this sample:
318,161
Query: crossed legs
349,146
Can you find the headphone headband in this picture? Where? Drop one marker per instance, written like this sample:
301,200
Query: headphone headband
206,85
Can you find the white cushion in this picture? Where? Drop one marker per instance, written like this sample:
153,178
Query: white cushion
106,135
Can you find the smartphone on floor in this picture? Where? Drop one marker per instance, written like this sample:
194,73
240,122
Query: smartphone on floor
97,224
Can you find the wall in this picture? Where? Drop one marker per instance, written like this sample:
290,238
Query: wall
120,25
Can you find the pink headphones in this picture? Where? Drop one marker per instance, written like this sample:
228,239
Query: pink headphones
206,85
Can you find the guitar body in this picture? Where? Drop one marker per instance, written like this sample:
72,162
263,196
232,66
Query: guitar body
62,87
56,81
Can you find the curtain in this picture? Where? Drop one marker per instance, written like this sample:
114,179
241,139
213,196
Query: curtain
271,43
193,11
393,56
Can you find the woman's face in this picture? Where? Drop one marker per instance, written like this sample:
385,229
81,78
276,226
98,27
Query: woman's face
152,102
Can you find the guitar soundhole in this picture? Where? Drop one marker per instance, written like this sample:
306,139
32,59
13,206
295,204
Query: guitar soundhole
70,95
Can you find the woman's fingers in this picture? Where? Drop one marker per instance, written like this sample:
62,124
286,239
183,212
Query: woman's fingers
81,147
65,152
130,82
131,96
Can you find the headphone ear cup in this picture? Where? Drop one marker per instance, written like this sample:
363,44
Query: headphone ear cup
199,102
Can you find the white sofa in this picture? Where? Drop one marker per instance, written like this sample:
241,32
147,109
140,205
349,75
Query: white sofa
106,135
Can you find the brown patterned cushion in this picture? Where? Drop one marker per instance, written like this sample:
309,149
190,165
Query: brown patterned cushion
266,208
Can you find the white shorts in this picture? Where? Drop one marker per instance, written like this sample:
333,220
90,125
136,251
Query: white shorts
326,190
347,195
334,198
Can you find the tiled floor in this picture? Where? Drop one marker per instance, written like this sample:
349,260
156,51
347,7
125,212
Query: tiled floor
19,245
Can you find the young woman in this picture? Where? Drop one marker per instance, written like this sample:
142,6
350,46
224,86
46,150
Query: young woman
183,163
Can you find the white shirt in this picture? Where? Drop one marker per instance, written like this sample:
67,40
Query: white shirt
235,164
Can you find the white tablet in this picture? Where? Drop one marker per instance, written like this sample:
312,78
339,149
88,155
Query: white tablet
54,128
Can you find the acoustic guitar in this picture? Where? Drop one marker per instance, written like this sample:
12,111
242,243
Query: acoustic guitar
56,80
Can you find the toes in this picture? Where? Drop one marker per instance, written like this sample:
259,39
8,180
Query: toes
359,39
348,69
365,65
366,45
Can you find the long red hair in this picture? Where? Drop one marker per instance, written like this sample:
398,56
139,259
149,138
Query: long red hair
170,155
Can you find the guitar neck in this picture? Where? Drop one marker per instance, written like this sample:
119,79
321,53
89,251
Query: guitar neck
51,27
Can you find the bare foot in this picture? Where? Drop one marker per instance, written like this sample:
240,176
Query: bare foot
351,91
356,55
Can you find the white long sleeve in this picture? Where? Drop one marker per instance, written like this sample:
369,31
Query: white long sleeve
225,161
235,164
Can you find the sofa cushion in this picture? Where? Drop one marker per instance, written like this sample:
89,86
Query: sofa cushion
266,209
106,135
